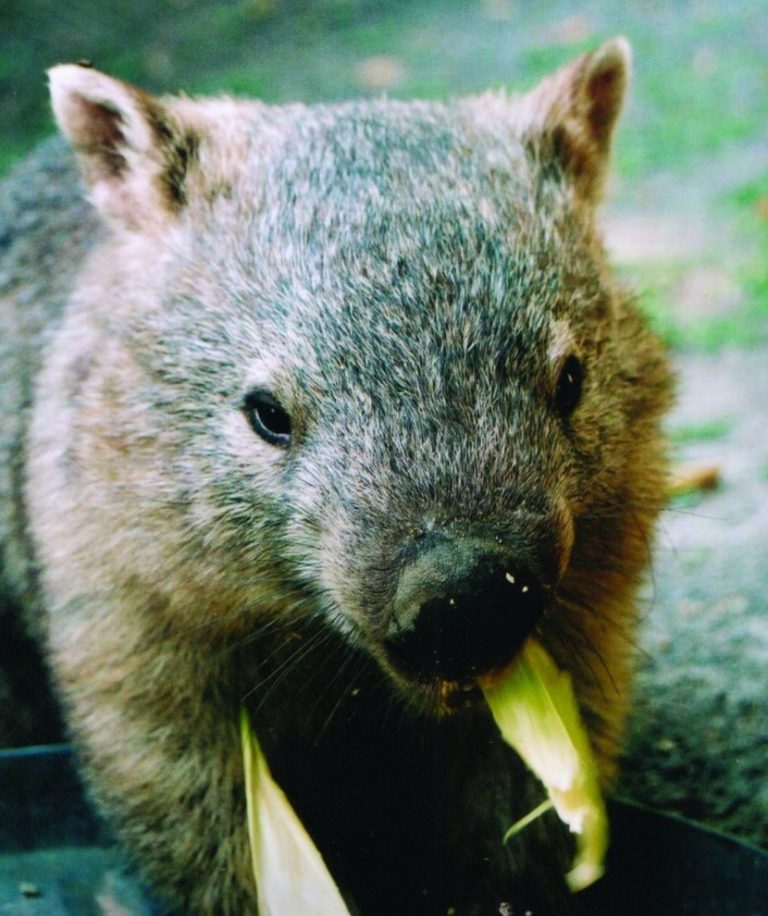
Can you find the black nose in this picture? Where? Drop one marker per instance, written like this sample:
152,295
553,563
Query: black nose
472,623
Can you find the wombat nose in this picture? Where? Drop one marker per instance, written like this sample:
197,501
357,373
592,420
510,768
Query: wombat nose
474,624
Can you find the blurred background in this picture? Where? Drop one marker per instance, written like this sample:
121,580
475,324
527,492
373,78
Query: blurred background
689,207
687,224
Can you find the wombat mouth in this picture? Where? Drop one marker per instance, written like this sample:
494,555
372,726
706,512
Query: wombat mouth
455,696
460,613
439,697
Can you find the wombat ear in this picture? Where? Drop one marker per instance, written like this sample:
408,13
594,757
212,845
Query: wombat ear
132,154
571,115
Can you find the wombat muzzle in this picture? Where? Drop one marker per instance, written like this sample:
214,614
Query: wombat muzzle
460,611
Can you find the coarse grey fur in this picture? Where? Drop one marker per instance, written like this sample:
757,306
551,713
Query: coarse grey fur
45,228
408,281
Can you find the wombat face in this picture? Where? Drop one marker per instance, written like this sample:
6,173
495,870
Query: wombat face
391,381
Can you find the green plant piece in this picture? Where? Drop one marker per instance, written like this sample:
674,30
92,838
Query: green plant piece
535,708
290,874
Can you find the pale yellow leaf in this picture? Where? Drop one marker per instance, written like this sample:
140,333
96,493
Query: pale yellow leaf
291,876
535,708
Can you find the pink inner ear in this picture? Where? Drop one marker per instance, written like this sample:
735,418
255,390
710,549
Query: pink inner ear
96,130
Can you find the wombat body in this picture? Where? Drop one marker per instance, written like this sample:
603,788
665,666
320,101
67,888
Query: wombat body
322,411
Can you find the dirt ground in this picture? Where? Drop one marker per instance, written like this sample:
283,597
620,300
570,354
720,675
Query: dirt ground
698,737
697,744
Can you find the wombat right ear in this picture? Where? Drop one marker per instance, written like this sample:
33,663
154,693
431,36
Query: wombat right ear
132,154
571,115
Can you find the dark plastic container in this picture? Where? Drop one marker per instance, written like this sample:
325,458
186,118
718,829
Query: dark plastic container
56,859
55,856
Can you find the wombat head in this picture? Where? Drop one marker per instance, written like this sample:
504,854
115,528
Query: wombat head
365,361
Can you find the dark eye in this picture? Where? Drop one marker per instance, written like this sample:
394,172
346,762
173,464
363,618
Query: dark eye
268,418
569,385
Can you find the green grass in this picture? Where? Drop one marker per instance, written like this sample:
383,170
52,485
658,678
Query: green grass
698,90
738,249
750,201
746,327
710,431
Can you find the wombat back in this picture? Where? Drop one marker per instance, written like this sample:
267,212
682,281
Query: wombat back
45,228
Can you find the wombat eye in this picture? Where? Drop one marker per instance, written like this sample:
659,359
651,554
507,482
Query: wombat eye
268,418
569,385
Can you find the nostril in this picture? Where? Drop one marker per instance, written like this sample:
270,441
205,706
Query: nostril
475,625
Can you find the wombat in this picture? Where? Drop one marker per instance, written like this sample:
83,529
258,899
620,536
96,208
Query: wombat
323,411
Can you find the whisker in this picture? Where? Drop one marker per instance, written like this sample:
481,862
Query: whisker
625,633
276,677
560,630
346,663
680,511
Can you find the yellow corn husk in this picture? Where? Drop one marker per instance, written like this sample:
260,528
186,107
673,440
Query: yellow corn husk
290,874
535,709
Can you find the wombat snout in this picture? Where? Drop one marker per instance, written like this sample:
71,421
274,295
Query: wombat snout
462,609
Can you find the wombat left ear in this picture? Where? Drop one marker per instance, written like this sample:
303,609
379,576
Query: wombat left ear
132,154
571,115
